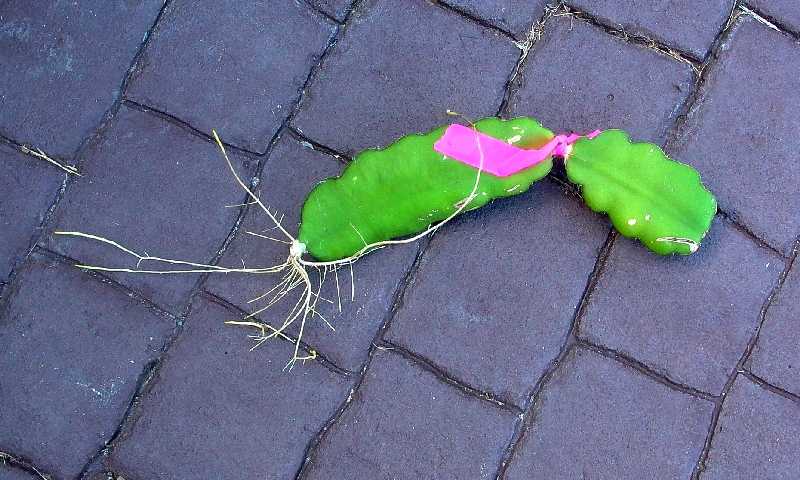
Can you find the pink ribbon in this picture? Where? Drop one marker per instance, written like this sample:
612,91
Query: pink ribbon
497,157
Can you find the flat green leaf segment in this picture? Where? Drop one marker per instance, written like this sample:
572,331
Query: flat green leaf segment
648,196
406,187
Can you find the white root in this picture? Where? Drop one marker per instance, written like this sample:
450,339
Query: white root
295,269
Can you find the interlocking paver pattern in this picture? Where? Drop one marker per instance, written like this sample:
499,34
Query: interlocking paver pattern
777,353
673,316
567,88
149,183
405,424
510,293
521,340
687,24
747,152
291,172
63,64
71,352
758,435
27,188
600,420
262,416
222,79
402,69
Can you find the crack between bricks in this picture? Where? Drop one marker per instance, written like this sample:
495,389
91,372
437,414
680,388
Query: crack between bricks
528,416
444,376
770,387
733,219
146,382
333,40
695,98
771,21
513,84
142,382
317,10
398,298
98,276
645,370
189,128
308,142
640,39
700,465
472,18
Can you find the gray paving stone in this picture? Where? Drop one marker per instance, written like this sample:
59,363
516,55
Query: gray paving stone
71,352
515,16
398,69
776,357
154,188
580,78
758,436
748,159
598,419
28,187
63,64
407,424
219,411
239,70
290,174
787,12
495,295
687,317
688,25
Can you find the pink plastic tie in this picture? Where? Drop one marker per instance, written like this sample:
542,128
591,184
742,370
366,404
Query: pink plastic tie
500,158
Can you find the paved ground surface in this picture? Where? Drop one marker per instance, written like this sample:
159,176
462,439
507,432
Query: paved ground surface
596,360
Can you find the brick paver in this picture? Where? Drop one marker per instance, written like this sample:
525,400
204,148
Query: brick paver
71,352
291,172
402,69
494,296
777,353
515,16
689,25
457,358
674,316
158,189
406,424
567,88
597,419
748,158
758,436
63,64
240,68
28,187
262,417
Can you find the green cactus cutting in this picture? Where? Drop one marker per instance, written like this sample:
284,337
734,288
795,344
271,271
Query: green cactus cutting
647,196
422,181
406,187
